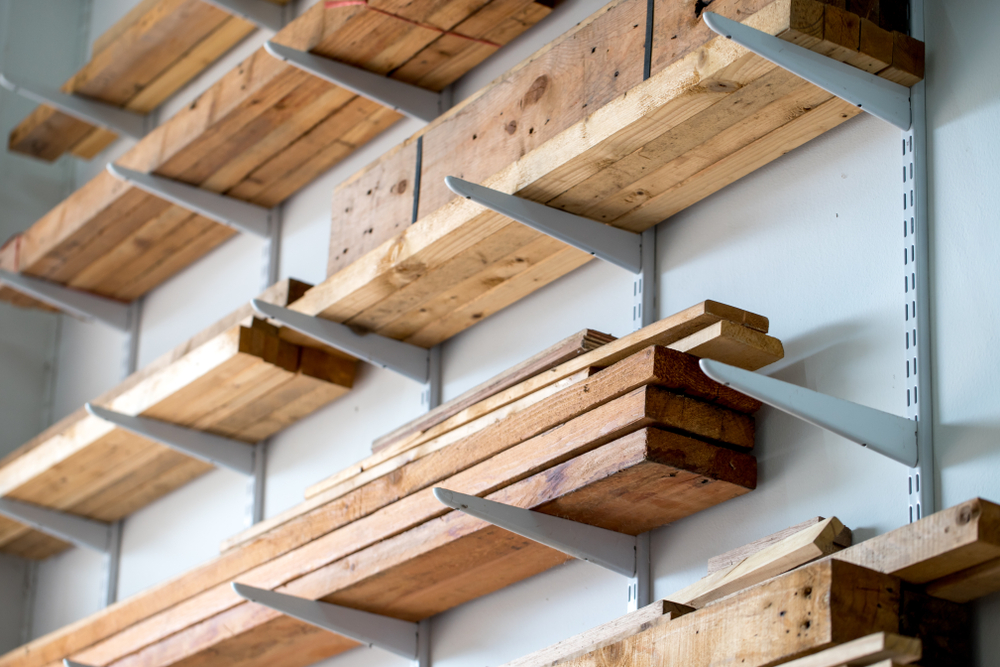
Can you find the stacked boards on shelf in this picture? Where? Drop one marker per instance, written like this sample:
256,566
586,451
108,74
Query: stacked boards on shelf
260,134
143,59
577,127
807,597
236,379
644,441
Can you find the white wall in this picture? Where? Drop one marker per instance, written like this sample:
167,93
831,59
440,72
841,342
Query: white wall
811,241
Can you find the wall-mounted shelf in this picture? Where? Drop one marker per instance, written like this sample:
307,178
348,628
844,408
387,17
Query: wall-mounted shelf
391,548
136,65
238,379
259,135
618,150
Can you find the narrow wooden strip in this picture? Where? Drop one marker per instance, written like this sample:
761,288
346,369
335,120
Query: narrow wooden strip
730,558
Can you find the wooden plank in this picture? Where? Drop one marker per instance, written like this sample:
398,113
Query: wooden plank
730,558
661,611
372,206
934,547
791,552
566,349
870,650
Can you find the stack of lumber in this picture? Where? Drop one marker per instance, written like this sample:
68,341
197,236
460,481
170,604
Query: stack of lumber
645,441
805,597
260,134
237,379
143,59
576,127
563,351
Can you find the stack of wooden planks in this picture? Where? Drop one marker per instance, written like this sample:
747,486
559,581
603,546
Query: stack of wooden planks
260,134
645,441
770,602
237,379
578,128
143,59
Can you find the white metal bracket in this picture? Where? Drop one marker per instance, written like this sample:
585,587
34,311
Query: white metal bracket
884,99
248,218
261,13
403,358
69,663
644,284
887,434
384,632
407,99
618,246
87,307
103,115
217,450
617,552
112,563
77,530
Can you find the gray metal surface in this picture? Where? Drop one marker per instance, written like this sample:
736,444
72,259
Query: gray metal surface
887,434
69,663
407,99
645,284
85,533
640,585
403,358
259,12
390,634
921,482
611,550
248,218
87,307
112,564
618,246
106,116
214,449
879,97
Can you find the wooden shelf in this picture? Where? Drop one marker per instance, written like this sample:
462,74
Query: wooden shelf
137,64
238,379
645,441
260,134
576,127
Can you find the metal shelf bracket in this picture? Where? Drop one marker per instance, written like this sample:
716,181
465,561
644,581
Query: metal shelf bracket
617,246
69,663
77,530
407,99
882,98
87,307
259,12
624,554
384,632
248,218
224,452
403,358
887,434
101,114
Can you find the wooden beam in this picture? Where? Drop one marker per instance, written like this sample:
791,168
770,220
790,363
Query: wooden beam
730,558
871,650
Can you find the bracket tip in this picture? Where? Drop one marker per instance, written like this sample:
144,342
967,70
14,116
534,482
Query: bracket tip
446,497
716,23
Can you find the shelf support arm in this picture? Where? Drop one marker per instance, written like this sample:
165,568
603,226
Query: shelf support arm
259,12
617,246
880,97
887,434
103,115
87,307
70,663
611,550
403,358
247,218
407,99
214,449
77,530
384,632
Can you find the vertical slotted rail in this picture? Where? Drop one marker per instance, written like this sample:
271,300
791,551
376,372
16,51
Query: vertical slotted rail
916,290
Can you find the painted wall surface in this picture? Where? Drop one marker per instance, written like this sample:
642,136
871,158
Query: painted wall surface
811,241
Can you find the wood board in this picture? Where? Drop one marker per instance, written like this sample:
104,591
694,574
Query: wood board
238,379
619,150
260,134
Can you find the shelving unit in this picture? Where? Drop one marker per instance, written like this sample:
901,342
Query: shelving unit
142,60
389,546
259,135
236,379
